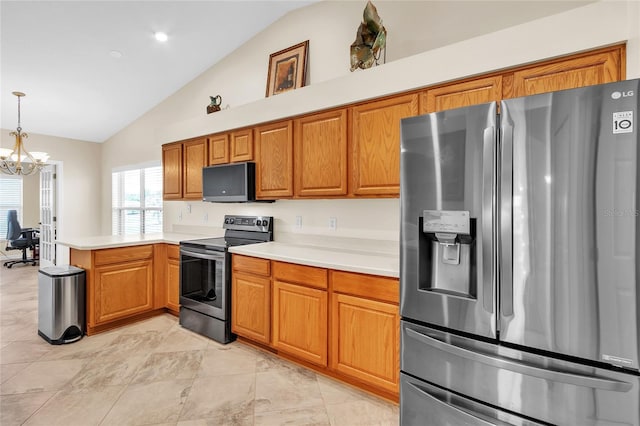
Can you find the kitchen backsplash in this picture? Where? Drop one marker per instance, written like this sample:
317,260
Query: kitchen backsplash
376,219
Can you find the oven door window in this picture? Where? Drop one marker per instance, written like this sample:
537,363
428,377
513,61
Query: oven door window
203,282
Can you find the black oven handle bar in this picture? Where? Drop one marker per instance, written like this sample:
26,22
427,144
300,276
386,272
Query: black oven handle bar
203,253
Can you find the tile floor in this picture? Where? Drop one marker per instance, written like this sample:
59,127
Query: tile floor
156,373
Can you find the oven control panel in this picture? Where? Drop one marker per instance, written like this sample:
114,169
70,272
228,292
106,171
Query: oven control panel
248,223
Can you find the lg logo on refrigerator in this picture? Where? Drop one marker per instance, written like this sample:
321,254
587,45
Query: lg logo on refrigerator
618,95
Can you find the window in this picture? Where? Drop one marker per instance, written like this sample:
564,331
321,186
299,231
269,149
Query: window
10,199
136,201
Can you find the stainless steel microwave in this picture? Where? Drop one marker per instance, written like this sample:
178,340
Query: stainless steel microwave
229,183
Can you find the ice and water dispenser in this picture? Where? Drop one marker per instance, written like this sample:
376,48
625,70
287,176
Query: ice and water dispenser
447,252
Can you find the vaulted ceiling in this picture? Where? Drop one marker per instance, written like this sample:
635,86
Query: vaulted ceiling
89,68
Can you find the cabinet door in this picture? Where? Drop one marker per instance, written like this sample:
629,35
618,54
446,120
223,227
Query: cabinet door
300,321
602,66
365,340
251,307
375,145
463,94
122,290
195,158
241,146
274,160
172,171
173,279
321,154
218,149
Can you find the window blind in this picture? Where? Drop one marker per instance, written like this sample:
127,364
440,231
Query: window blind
10,199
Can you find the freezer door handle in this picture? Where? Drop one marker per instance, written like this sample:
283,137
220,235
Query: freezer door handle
505,240
488,207
449,406
521,368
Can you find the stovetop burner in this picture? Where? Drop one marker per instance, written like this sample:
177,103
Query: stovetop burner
222,242
239,231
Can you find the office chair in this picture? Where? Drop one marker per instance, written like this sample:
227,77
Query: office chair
20,239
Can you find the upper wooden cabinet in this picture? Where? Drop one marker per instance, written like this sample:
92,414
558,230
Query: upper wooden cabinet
320,146
172,171
354,151
219,149
182,164
195,158
241,145
595,67
274,160
375,145
458,95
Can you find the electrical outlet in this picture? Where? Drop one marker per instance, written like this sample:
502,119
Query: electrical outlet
298,222
333,223
205,217
180,216
188,208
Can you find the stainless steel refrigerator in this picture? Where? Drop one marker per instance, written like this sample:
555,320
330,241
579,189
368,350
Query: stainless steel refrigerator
520,236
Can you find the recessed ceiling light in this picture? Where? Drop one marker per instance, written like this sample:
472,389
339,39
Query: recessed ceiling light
161,37
116,54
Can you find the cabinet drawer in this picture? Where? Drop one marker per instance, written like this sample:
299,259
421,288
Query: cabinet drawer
252,265
306,275
123,254
173,251
369,286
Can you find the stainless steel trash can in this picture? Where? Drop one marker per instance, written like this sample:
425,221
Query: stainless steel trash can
61,304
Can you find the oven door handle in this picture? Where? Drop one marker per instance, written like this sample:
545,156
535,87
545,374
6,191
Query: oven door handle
207,255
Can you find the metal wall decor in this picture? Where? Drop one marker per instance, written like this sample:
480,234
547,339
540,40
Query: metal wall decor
216,102
371,40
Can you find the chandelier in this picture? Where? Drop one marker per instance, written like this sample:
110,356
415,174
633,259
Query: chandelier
19,161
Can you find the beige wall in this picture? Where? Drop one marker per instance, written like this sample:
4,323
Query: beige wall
428,42
79,163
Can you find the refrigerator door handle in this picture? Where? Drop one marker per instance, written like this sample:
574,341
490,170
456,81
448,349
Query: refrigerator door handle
488,168
475,420
525,369
505,240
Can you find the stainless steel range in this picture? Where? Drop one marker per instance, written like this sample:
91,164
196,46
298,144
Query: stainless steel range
205,275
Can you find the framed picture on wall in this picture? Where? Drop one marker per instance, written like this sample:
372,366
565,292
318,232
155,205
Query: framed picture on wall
287,69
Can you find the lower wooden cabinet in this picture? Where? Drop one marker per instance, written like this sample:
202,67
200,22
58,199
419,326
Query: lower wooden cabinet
119,281
365,340
122,290
127,284
343,324
365,328
300,321
173,279
251,298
